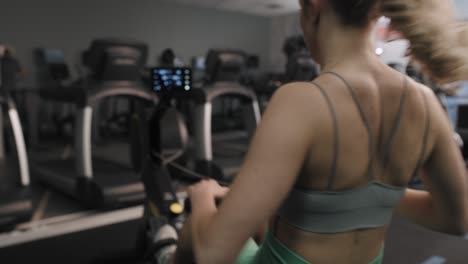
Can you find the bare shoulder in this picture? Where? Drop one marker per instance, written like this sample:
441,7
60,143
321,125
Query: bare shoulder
439,122
419,95
300,97
308,92
297,89
421,88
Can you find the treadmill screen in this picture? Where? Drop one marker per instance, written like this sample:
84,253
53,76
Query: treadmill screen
169,80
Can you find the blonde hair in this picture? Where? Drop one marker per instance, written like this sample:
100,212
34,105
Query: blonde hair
438,40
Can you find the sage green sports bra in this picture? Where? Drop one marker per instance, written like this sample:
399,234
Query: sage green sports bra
368,206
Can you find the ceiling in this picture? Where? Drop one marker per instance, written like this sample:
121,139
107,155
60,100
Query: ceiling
264,7
255,7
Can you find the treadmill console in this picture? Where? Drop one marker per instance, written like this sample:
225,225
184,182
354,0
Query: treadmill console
171,80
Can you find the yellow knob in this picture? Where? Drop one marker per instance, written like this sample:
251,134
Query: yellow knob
176,208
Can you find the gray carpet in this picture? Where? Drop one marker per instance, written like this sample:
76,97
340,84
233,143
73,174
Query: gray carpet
407,243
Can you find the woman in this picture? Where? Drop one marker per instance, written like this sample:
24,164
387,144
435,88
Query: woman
331,159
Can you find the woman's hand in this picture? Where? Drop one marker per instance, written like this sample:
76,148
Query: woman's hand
208,188
203,197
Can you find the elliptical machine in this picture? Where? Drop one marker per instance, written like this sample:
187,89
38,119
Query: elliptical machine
161,142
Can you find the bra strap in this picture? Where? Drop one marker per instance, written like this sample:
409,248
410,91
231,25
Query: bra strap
426,134
396,124
332,177
370,169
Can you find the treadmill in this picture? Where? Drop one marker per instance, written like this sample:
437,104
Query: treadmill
15,201
224,69
115,71
300,67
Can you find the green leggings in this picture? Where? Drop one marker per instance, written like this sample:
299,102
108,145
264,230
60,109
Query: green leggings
273,251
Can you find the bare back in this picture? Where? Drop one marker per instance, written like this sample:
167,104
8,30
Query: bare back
397,110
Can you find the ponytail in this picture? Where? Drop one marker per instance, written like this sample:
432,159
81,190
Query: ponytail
437,40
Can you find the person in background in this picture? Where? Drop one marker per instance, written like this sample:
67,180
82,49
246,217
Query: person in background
169,59
11,69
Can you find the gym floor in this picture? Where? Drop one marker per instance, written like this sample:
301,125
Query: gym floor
406,244
410,244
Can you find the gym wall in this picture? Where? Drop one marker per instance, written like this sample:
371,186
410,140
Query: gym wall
71,25
281,27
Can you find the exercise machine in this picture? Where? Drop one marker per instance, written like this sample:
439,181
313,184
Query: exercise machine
56,118
15,201
166,172
115,67
224,69
300,67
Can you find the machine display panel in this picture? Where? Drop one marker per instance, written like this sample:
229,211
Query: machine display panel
170,80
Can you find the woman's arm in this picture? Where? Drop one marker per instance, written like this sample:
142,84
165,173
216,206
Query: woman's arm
444,206
440,43
202,195
276,155
421,208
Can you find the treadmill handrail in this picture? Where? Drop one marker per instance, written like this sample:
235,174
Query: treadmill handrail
20,146
202,113
89,93
86,96
83,146
18,137
95,97
84,120
213,91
